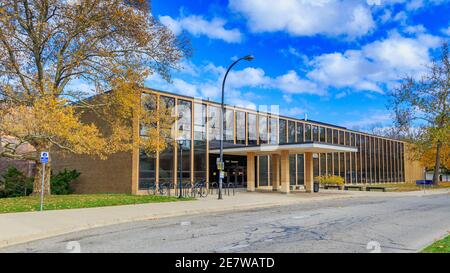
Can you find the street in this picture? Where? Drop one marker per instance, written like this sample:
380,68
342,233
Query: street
363,224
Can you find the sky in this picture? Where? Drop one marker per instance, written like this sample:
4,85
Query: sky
333,60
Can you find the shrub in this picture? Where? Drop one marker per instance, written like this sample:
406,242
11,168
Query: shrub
330,180
14,183
60,183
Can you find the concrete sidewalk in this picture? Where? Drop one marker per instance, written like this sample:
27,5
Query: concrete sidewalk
22,227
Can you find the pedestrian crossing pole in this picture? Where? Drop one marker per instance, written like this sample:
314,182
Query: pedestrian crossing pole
44,160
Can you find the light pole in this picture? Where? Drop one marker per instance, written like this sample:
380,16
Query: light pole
221,164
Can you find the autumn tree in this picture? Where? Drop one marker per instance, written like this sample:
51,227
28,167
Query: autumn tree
425,104
61,59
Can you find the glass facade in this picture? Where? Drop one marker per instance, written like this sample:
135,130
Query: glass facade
378,160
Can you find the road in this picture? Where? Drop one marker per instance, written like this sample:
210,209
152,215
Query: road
395,224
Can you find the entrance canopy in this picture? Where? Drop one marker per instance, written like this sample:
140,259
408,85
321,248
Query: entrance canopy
293,148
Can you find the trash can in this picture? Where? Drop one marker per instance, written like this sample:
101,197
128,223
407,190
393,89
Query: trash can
316,186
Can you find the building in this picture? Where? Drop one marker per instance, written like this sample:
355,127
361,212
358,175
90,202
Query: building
262,152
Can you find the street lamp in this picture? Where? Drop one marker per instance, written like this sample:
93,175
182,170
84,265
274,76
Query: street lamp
221,164
180,184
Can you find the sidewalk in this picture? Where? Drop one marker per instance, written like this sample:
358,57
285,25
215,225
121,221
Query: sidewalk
22,227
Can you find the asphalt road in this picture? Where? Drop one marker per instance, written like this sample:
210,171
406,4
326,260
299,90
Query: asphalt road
387,224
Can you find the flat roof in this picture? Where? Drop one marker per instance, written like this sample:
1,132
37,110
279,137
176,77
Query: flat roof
293,148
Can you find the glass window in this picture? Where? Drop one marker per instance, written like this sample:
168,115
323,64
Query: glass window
341,137
263,174
307,132
300,132
263,129
291,131
273,130
240,127
300,170
329,135
315,133
184,132
214,126
315,165
147,170
322,134
336,163
200,156
342,165
252,131
148,103
282,131
335,137
166,157
329,164
347,138
347,168
292,170
229,126
323,164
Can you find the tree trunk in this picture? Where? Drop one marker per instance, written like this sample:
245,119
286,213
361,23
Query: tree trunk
437,164
37,185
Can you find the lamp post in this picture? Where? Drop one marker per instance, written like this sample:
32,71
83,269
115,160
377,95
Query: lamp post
180,184
221,164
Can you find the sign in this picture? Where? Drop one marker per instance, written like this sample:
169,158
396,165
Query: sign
222,175
44,157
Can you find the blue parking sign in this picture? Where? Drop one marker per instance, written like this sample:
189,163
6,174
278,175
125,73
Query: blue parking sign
44,157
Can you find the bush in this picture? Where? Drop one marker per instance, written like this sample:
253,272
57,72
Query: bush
14,183
60,183
330,180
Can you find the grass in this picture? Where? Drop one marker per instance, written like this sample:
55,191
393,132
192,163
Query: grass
402,187
441,246
73,201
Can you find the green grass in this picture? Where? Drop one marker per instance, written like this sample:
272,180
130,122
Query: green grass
73,201
441,246
402,187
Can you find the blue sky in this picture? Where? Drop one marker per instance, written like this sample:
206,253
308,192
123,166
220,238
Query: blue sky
334,60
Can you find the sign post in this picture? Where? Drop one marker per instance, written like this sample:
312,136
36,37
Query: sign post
44,160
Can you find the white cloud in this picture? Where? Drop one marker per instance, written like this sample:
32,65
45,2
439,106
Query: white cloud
350,18
375,65
198,26
371,117
446,31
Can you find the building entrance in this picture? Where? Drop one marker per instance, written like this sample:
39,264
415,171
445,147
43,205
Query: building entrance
235,170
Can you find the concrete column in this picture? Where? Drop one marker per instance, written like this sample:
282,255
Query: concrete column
309,174
284,172
250,171
275,160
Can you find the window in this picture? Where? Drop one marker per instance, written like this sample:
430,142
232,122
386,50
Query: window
240,127
200,142
315,165
347,168
336,163
228,126
252,131
263,174
263,129
282,131
300,132
307,132
322,134
166,157
323,164
329,135
184,132
300,170
273,131
214,126
147,171
341,138
329,164
342,165
292,170
291,131
315,133
347,138
335,137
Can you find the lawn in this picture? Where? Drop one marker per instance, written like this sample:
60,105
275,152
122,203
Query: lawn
441,246
73,201
410,186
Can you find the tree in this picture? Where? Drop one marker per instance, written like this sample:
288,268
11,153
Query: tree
425,103
111,46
